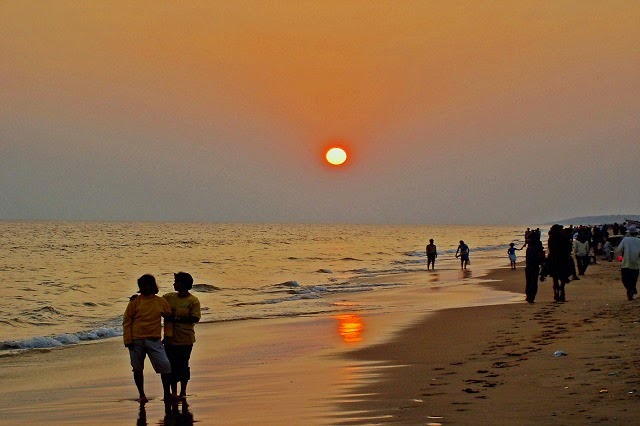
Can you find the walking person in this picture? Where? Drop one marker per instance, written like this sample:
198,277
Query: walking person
534,258
463,253
559,261
180,332
432,253
581,251
629,249
141,331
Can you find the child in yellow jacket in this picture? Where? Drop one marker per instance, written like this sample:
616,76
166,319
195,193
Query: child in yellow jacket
179,332
142,332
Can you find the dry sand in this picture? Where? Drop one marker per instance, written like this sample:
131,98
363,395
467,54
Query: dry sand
479,365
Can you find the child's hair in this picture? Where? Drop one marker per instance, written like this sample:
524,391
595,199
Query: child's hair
150,280
511,245
184,278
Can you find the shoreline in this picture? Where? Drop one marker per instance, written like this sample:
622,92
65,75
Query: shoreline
426,370
496,364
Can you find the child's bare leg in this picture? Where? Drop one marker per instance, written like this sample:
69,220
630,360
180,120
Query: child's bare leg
138,378
166,384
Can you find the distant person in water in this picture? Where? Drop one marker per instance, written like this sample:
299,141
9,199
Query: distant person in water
179,332
142,329
463,253
511,252
432,253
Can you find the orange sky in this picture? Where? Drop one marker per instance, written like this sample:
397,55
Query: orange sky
462,108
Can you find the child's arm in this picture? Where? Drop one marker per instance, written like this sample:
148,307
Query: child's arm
127,323
193,316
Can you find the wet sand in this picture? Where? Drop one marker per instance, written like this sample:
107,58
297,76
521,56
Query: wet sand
496,364
477,365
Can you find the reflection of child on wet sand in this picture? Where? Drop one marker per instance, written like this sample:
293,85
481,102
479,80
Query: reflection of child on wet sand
511,251
142,328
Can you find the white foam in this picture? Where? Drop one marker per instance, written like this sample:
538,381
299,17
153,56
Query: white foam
43,342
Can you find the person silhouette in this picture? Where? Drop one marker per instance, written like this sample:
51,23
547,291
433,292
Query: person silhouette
432,253
463,253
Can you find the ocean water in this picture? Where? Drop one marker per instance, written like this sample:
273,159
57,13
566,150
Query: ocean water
68,282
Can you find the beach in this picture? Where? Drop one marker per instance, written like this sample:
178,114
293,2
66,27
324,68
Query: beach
466,365
304,162
496,364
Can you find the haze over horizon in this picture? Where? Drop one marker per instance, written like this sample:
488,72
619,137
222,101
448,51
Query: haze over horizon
453,112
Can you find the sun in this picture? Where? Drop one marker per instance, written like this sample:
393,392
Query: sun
336,156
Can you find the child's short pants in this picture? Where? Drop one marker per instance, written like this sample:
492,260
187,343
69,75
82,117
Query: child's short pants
140,348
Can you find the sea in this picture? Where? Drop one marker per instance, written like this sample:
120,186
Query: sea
65,283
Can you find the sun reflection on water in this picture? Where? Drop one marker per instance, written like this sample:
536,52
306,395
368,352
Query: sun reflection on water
350,327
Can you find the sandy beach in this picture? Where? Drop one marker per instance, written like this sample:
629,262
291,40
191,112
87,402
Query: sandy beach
476,365
496,364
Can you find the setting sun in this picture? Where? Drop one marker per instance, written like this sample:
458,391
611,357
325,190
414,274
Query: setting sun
336,156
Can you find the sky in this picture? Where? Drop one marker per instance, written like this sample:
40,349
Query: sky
452,112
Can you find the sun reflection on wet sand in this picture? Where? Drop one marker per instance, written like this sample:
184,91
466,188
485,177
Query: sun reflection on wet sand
350,327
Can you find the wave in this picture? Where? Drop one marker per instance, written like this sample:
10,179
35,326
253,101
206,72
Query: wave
282,293
291,291
64,339
205,288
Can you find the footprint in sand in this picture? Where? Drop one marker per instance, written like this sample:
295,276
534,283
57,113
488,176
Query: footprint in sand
433,394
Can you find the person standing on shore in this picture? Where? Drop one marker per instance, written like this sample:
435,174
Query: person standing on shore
179,331
534,257
142,330
463,253
581,251
511,252
559,261
607,250
432,253
629,249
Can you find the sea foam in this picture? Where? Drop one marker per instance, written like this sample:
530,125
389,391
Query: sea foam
64,339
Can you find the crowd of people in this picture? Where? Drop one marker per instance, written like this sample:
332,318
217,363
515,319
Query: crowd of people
570,251
586,243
